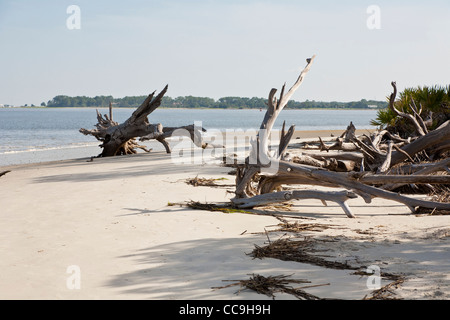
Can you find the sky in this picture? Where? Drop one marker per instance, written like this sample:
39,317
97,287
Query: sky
219,48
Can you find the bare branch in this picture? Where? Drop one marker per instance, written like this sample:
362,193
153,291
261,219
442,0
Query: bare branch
408,116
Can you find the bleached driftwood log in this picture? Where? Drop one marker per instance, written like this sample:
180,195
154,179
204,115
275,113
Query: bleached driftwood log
119,139
425,170
254,188
340,197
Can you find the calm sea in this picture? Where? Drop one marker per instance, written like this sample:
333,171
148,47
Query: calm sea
44,134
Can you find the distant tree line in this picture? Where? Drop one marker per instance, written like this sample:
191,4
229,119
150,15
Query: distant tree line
203,102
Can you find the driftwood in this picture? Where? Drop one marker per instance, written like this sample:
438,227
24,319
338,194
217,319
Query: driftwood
339,197
415,118
344,142
273,284
384,152
120,139
404,149
433,138
4,172
331,163
265,171
426,169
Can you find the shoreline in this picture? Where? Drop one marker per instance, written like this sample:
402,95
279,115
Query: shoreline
110,219
68,153
108,229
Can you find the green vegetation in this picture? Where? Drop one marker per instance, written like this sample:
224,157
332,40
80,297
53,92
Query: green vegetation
434,100
203,102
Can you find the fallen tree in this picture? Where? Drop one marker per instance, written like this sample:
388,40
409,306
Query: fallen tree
265,172
120,139
419,152
397,149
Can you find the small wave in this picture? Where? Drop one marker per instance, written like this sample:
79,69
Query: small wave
38,149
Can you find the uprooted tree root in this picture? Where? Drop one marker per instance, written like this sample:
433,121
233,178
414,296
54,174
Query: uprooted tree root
274,284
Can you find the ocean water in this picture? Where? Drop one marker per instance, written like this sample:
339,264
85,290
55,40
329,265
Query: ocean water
30,135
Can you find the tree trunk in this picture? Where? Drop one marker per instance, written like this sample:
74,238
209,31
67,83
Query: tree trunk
432,138
119,139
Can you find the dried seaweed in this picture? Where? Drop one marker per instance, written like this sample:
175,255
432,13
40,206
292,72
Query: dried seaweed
196,182
277,207
295,227
296,250
385,292
226,207
299,251
273,284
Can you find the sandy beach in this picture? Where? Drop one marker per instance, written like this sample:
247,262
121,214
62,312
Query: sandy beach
104,229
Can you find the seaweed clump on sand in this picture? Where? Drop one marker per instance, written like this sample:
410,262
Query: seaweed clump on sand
274,284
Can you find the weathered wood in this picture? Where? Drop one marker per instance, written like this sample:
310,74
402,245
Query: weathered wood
434,137
284,140
365,191
377,137
340,145
416,111
339,197
4,172
118,139
405,179
425,170
304,159
412,118
270,183
294,173
331,163
162,133
338,155
261,145
350,133
440,149
129,147
387,162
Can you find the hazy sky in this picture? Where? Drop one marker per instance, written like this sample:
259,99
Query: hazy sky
220,48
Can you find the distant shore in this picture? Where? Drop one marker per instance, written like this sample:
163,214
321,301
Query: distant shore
184,108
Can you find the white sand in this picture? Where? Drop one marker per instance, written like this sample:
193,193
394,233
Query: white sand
110,218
